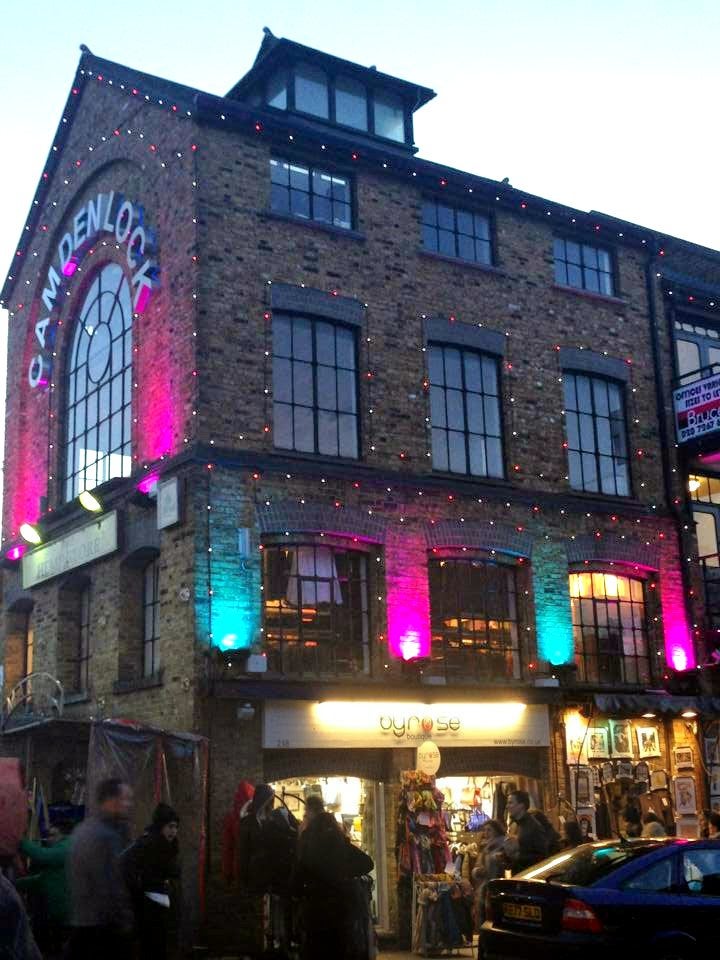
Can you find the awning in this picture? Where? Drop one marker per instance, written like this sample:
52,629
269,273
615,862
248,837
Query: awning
664,704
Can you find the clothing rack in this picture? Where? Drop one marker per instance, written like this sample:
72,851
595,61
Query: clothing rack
442,916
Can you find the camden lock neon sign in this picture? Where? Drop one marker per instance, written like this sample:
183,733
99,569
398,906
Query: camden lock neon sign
107,213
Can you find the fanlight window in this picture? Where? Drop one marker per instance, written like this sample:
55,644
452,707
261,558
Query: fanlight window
98,420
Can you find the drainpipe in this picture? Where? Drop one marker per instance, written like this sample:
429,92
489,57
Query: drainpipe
665,440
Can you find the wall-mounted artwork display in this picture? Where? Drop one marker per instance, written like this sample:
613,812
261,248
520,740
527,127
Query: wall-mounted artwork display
583,790
621,738
683,757
642,772
586,822
715,803
607,772
659,780
714,777
648,741
624,770
712,751
685,800
574,744
597,741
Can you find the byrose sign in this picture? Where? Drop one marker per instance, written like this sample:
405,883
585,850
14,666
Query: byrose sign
109,213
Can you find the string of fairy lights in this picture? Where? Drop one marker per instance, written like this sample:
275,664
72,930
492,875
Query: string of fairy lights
131,133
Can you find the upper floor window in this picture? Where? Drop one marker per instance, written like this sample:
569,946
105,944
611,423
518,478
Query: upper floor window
697,345
310,193
584,266
609,628
473,620
351,103
465,411
316,612
151,619
29,647
311,90
389,117
314,386
83,650
596,435
455,232
98,420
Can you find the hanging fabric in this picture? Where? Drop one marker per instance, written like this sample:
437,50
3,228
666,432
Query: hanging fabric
313,577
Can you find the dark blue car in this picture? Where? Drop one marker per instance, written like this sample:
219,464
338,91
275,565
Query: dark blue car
616,899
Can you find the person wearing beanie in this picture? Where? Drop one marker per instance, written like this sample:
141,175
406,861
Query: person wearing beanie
152,869
253,865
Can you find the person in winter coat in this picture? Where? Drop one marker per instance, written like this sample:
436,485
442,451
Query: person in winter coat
16,939
253,862
528,843
491,866
231,832
150,865
652,827
47,881
631,822
100,905
327,865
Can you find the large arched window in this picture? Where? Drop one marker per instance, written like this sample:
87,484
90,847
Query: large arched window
99,386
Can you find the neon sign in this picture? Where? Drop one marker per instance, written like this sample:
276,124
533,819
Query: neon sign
107,213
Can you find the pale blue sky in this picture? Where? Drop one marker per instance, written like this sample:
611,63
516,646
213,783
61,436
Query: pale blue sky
600,104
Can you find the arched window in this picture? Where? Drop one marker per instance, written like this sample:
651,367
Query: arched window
609,628
99,386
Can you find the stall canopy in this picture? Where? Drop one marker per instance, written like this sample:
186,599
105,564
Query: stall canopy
636,704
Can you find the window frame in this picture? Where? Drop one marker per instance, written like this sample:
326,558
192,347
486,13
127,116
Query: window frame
83,649
331,78
314,319
582,658
464,349
703,342
517,650
596,453
153,605
490,263
312,169
338,612
28,645
583,288
74,481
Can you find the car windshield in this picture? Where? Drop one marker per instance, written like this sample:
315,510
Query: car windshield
585,865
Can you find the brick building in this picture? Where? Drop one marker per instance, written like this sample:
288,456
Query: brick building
380,449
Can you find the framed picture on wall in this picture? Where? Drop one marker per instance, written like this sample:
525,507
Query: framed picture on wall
583,789
607,772
621,738
714,777
683,757
659,780
648,741
685,801
715,803
597,741
642,772
624,770
574,745
712,752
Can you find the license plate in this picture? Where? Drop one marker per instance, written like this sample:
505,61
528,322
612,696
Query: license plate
522,911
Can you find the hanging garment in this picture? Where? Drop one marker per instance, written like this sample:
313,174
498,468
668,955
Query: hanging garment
313,577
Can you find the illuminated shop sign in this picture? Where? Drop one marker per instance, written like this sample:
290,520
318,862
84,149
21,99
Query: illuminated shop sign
697,408
342,724
109,213
96,539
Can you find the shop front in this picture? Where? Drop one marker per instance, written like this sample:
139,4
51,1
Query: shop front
360,757
628,757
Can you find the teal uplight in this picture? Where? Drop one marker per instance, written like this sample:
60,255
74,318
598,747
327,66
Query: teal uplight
235,619
552,604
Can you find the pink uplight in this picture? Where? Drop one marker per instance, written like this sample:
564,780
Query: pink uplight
14,553
409,645
679,659
70,268
148,483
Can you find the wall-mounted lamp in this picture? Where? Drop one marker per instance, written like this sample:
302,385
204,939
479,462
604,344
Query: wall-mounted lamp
90,502
689,714
648,716
30,534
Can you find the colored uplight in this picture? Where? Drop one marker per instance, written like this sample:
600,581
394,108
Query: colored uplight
30,534
148,483
409,645
229,641
69,268
90,502
16,552
553,617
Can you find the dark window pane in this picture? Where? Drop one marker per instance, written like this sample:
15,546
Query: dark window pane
493,446
346,391
299,178
574,275
429,213
303,383
473,365
321,184
304,433
281,337
572,252
311,92
446,217
345,345
300,204
279,172
465,222
455,412
302,339
456,442
348,435
325,343
327,433
326,393
478,463
435,365
322,210
430,238
437,407
489,368
466,247
439,449
446,243
277,90
350,103
453,374
389,117
475,417
492,416
561,272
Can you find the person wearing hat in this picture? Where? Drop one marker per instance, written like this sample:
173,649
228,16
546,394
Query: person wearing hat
151,864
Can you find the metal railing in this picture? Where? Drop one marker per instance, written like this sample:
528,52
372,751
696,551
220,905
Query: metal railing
36,696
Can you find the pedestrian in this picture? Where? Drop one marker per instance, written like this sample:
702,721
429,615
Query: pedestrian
572,834
100,907
554,843
652,826
47,886
528,843
253,865
150,867
16,939
490,866
334,909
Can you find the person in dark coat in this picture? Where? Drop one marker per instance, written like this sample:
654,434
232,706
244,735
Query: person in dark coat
327,865
151,864
528,844
16,939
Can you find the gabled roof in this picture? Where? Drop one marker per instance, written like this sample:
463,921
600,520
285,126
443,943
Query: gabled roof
276,51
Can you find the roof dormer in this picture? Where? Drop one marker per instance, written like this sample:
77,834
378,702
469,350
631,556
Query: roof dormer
325,90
